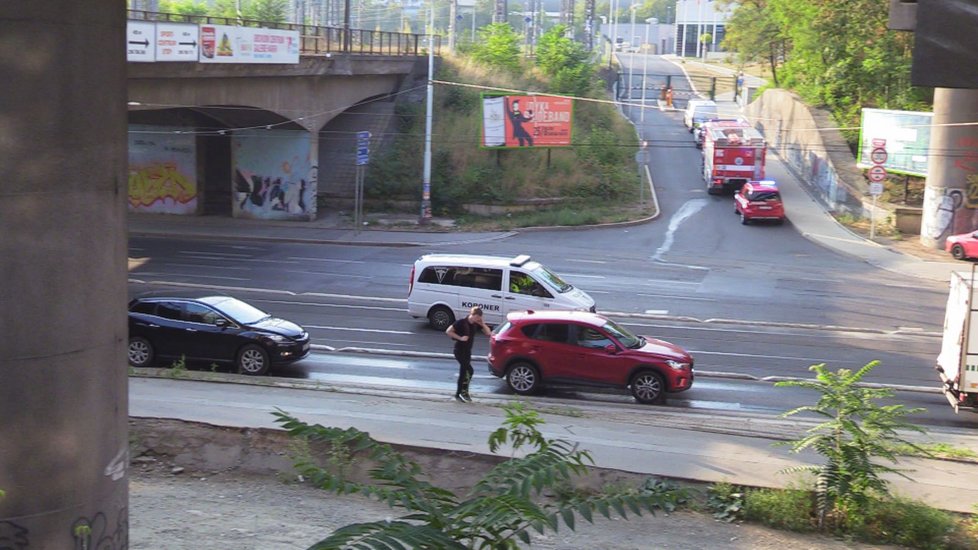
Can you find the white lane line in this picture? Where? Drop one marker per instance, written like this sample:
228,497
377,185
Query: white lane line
683,298
759,356
686,211
316,304
589,291
302,258
587,261
578,275
359,329
352,297
222,254
211,266
160,274
656,282
344,275
657,311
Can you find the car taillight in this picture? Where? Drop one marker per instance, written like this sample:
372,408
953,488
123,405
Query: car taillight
411,282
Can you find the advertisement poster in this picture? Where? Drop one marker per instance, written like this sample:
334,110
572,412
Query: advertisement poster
528,121
272,176
228,44
907,135
162,170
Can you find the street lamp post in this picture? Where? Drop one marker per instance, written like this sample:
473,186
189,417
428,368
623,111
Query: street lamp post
426,174
614,30
645,63
631,60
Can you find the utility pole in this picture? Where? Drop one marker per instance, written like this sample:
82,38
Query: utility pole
426,175
452,24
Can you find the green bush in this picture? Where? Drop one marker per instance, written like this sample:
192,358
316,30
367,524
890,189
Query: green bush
790,509
725,501
903,521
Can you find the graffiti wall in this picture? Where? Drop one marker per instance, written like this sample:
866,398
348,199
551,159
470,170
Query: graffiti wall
273,176
162,170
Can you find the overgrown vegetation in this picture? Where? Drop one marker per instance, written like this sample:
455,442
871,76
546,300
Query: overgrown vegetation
273,11
499,512
598,169
836,53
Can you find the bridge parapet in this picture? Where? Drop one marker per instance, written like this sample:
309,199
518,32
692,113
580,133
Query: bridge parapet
315,39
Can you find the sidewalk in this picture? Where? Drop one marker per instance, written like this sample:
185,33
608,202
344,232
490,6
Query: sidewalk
659,441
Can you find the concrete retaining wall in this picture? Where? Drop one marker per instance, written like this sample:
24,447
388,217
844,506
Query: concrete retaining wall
819,156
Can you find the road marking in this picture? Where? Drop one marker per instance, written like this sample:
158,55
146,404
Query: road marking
759,356
315,304
578,275
672,296
587,261
210,266
160,274
686,211
657,311
221,254
653,282
352,297
344,275
326,260
359,329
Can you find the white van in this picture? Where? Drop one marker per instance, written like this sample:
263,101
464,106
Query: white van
697,112
444,287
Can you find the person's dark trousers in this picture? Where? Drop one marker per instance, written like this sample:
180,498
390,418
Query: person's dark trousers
464,372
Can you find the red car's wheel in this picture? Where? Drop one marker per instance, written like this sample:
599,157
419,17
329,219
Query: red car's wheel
958,252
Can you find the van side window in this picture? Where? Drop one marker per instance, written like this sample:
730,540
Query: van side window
439,275
522,283
478,277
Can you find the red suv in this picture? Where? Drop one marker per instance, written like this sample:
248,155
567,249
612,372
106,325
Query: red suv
759,200
535,348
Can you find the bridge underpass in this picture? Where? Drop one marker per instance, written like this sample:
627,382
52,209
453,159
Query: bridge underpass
256,141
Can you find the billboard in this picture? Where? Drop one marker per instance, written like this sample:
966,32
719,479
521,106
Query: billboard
526,121
907,135
227,44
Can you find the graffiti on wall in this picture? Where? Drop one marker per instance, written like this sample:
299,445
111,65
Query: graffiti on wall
954,209
96,532
162,170
13,536
273,176
947,204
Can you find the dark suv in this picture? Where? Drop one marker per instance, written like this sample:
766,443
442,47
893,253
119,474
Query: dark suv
533,348
218,329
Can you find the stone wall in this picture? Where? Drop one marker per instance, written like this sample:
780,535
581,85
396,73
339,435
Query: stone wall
818,155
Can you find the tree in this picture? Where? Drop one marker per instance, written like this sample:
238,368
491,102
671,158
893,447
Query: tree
565,62
499,47
497,513
755,35
183,7
855,432
271,11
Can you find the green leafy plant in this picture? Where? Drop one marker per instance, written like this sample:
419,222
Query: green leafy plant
670,496
726,501
497,513
854,434
790,509
178,368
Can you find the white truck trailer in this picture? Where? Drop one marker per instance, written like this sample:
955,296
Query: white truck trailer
957,365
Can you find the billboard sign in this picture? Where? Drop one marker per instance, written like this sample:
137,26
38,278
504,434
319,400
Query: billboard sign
526,121
140,38
907,135
228,44
176,42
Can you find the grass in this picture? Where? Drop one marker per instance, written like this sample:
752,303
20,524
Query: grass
558,216
939,450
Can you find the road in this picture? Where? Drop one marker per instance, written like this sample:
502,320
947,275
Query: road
749,300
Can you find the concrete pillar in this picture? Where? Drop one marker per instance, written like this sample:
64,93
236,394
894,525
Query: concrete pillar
63,376
313,181
951,194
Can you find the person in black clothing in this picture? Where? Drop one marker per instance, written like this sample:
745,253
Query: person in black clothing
463,332
517,118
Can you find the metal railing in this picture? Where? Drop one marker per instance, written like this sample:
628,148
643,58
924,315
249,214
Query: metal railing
315,39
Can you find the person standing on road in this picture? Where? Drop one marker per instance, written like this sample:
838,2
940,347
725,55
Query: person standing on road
463,332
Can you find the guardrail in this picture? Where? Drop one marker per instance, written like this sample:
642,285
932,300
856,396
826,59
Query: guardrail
315,39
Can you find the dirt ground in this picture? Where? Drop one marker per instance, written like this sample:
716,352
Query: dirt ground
211,497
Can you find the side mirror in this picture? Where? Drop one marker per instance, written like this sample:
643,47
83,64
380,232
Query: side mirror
611,349
221,323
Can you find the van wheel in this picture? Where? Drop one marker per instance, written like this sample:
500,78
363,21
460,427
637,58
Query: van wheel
440,318
523,378
648,387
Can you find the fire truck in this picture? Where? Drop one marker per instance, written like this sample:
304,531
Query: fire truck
733,154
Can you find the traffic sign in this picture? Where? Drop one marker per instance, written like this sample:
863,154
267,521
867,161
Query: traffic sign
878,142
878,156
877,173
876,189
363,148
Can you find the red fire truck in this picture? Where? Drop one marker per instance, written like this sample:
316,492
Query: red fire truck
733,154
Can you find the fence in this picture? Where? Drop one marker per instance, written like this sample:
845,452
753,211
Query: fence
315,39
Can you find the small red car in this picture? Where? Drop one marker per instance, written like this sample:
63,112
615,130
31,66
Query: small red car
759,200
962,246
533,348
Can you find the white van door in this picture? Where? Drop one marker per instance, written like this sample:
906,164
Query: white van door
481,287
525,292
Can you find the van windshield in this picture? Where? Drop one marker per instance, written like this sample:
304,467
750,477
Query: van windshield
552,280
705,111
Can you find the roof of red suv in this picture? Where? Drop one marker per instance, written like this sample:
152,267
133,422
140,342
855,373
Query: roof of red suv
557,315
763,185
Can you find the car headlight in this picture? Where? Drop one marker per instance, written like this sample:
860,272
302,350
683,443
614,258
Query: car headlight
678,365
278,338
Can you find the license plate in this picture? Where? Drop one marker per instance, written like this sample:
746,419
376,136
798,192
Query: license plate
765,208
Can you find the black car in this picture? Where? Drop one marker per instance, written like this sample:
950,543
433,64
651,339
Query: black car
218,329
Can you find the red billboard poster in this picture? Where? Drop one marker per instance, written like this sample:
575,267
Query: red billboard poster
526,121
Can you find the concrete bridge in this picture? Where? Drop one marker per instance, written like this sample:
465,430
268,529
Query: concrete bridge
264,140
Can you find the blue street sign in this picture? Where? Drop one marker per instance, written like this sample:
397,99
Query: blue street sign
363,148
